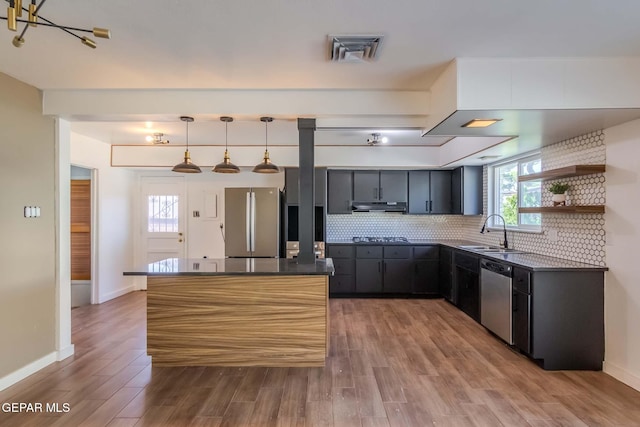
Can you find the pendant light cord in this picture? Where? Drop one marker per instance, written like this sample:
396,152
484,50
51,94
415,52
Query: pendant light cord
187,122
226,135
266,136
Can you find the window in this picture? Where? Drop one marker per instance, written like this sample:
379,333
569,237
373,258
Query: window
162,214
508,194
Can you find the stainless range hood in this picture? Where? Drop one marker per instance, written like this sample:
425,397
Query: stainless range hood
400,207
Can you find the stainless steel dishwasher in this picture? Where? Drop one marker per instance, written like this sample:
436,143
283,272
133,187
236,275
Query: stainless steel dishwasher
495,298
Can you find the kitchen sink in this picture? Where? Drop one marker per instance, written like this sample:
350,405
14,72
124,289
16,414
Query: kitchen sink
500,251
490,249
477,248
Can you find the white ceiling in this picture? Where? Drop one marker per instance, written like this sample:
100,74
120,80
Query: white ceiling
282,44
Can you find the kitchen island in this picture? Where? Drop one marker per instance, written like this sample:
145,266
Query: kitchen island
237,312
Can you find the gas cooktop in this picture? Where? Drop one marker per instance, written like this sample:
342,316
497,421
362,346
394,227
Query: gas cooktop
380,240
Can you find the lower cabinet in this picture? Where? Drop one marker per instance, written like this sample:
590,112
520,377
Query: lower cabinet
426,265
521,307
446,274
369,275
558,317
466,289
384,269
343,280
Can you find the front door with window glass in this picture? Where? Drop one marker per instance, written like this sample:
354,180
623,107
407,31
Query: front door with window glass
163,211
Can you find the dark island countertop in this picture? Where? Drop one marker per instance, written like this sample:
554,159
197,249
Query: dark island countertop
233,266
530,260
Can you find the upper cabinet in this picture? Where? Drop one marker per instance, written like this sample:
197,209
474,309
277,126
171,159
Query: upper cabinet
467,191
430,192
340,191
457,191
291,183
380,186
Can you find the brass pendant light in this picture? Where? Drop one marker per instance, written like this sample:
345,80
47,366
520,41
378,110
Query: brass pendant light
266,166
186,166
226,166
14,16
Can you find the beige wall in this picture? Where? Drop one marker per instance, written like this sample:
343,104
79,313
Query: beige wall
27,252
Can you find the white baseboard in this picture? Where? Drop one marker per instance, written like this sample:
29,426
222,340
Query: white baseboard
116,294
621,374
25,371
65,352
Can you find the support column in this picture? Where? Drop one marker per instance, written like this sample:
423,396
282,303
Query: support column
306,186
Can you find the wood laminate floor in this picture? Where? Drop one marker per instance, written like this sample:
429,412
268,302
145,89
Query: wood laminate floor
392,363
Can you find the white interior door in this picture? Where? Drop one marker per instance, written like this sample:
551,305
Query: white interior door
163,218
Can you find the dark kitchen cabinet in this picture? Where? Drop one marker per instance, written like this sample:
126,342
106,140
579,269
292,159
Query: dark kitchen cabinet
343,280
566,319
446,274
369,275
397,269
380,186
340,191
426,266
387,269
430,192
393,186
521,307
467,283
291,182
466,190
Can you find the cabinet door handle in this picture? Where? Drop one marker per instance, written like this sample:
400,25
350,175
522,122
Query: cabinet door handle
430,205
426,206
380,193
514,302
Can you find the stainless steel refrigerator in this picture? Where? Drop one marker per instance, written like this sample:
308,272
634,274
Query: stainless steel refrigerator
252,217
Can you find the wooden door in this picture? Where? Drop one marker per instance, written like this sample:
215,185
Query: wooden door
81,229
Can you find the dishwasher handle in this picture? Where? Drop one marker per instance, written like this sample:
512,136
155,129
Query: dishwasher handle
496,267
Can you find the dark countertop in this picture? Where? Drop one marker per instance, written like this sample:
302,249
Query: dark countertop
233,266
533,261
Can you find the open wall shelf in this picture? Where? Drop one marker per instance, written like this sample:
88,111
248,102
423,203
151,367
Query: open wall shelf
566,172
564,209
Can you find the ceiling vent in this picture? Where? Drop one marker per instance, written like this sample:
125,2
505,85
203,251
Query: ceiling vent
354,48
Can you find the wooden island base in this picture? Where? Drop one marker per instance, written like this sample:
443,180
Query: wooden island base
237,320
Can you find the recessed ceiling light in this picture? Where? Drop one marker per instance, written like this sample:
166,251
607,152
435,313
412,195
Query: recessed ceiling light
376,138
480,123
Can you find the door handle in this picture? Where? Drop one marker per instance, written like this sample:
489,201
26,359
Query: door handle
426,206
179,234
430,205
380,193
179,240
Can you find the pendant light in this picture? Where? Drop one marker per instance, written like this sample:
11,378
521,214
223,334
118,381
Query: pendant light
226,166
186,166
266,166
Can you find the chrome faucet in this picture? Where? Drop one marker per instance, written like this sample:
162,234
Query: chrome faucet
504,228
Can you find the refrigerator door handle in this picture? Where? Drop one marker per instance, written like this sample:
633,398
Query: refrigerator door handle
253,221
248,221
